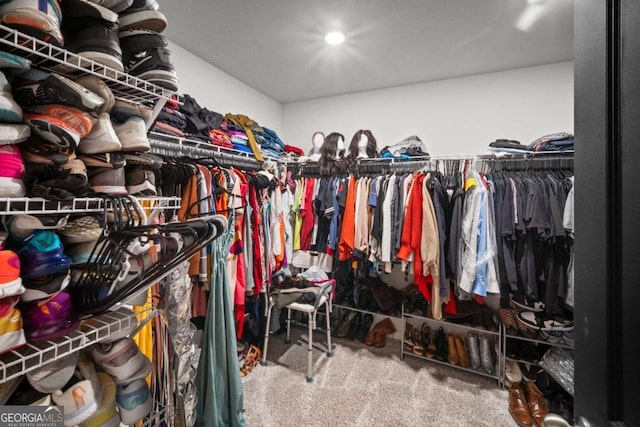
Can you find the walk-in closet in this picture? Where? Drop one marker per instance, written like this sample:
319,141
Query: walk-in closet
285,213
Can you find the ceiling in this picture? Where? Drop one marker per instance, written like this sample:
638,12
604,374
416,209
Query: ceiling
277,46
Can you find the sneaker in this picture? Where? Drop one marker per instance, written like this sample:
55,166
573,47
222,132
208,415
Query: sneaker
40,151
102,139
100,88
528,305
22,226
57,89
54,375
80,396
107,414
15,62
134,401
57,183
143,14
123,109
10,281
539,322
37,18
10,111
147,57
14,133
44,287
80,121
122,360
11,332
42,254
50,318
82,253
144,159
54,130
98,41
140,181
81,230
112,160
80,13
133,135
107,180
11,172
114,5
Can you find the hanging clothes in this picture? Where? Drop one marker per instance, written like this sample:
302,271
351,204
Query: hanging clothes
219,390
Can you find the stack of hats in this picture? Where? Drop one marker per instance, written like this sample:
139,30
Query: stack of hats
45,272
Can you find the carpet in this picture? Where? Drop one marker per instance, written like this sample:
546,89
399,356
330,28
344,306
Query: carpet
366,386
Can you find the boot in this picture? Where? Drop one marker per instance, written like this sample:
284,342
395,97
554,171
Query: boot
537,405
461,348
486,356
386,326
453,352
474,350
441,345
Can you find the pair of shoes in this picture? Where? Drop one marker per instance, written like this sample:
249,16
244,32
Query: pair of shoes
441,345
458,353
527,406
539,322
378,333
428,341
342,330
146,55
474,350
91,31
363,328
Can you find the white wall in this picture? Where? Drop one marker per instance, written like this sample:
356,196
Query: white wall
452,117
220,92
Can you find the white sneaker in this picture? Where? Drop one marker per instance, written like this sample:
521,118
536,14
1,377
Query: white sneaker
102,139
133,135
99,87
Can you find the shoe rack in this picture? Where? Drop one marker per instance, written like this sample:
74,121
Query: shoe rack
52,58
48,57
32,356
495,343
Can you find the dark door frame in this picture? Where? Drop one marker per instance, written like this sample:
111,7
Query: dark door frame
607,211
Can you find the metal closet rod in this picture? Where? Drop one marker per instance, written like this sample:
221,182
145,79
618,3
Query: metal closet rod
171,149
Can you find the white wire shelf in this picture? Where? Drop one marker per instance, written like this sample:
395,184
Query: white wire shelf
47,56
38,205
32,356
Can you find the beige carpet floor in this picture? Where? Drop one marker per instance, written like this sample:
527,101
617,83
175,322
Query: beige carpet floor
365,386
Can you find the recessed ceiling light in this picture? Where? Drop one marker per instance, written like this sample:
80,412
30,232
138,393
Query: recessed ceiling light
334,38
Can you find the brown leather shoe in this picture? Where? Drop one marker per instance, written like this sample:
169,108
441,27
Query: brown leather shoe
453,357
537,405
518,407
386,326
463,354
